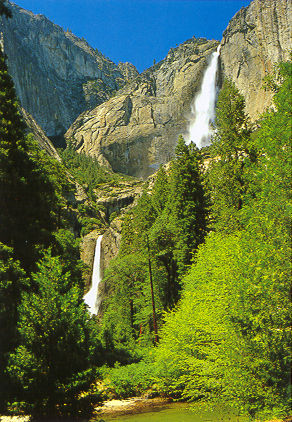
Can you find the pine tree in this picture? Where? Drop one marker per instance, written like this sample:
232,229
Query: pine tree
229,152
160,190
59,347
187,206
12,283
29,186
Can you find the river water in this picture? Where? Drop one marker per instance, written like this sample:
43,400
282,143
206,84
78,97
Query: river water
175,413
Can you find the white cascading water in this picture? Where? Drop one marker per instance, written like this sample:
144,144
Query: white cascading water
91,298
203,107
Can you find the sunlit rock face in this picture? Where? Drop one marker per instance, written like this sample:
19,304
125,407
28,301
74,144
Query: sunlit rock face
56,74
136,130
256,38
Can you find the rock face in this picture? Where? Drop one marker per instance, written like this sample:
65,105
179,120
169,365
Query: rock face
87,251
137,129
257,37
114,197
118,198
111,242
39,135
56,74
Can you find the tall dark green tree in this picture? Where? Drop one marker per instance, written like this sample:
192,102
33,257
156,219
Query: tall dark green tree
59,348
229,152
30,192
187,205
229,338
12,283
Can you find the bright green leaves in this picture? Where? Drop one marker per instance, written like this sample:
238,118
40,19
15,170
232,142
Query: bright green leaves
228,339
189,349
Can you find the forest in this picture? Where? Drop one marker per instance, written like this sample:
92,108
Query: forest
197,302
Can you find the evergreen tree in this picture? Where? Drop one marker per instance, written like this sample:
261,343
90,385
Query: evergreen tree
160,191
31,183
59,347
229,152
229,338
12,283
187,203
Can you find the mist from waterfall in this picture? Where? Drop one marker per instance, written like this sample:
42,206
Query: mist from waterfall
91,298
203,107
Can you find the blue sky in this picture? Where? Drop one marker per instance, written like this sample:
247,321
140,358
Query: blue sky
138,31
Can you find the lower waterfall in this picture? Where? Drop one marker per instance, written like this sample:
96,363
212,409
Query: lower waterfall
203,106
91,298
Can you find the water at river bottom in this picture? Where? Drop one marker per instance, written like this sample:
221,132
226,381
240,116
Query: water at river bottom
174,413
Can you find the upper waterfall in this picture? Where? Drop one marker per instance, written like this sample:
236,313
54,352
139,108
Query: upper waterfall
203,106
91,298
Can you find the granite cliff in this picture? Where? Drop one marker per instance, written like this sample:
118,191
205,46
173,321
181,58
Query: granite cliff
257,37
56,74
39,135
136,130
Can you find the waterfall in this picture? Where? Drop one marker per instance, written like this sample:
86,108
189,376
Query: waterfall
91,298
203,106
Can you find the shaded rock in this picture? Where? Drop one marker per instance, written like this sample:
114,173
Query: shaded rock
39,135
257,37
115,198
111,243
87,250
56,74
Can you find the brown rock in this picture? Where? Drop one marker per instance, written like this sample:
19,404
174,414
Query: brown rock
257,37
137,129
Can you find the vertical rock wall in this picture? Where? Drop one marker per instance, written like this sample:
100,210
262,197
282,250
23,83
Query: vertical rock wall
257,37
56,74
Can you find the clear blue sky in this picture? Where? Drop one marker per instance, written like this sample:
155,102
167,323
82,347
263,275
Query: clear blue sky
138,31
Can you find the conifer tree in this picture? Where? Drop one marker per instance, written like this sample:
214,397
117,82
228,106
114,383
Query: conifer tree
159,192
12,283
30,192
4,9
187,204
59,347
229,151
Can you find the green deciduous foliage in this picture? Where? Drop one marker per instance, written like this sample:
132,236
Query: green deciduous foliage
228,339
189,350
